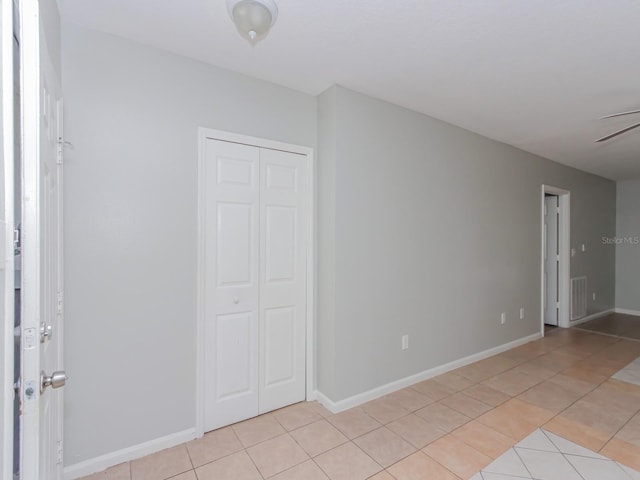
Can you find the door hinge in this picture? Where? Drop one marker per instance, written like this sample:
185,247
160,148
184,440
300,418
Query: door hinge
16,241
59,303
59,452
60,149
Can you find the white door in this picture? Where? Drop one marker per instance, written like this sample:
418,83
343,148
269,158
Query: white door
41,421
551,259
282,279
231,282
254,281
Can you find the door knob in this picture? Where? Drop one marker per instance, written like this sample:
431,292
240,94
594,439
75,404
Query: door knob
236,300
56,380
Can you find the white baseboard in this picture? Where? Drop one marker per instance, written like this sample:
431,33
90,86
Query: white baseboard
359,399
628,312
593,316
103,462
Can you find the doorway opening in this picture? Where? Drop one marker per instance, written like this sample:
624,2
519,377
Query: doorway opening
555,254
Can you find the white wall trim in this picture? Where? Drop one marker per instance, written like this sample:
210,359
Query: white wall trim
359,399
593,316
203,135
103,462
564,233
627,312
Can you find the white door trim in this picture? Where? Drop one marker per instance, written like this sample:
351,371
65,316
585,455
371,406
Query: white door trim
203,134
6,242
564,273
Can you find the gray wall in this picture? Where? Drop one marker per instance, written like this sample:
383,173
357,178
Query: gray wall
628,247
132,113
432,231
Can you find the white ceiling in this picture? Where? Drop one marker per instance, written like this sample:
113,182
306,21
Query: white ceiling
535,74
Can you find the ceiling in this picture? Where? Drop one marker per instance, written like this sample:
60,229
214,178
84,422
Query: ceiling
536,74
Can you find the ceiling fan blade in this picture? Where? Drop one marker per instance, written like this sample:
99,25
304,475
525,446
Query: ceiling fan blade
619,114
619,132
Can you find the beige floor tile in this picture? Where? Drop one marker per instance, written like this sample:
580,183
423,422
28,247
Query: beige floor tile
213,445
630,433
505,422
305,471
318,437
118,472
296,416
594,415
531,369
416,431
549,395
409,399
161,465
453,381
121,471
237,466
487,395
484,439
589,372
498,364
457,456
525,352
276,455
190,475
512,382
384,410
466,405
384,475
384,446
533,414
442,417
353,422
556,360
256,430
433,390
347,462
581,434
623,452
573,384
319,409
420,466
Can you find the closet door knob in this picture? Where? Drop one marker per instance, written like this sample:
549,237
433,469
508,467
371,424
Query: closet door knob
236,300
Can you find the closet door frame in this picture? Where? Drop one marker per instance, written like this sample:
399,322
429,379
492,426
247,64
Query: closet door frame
203,135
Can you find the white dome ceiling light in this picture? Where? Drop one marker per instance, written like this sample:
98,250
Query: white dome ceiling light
253,18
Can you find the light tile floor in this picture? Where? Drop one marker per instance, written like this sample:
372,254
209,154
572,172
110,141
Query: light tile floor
446,428
545,456
630,373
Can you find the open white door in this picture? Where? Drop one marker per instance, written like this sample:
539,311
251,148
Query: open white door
551,259
41,420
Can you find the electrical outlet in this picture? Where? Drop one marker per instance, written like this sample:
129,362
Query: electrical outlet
503,318
594,296
522,313
405,342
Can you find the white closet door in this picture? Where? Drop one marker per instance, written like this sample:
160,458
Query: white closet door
282,278
231,282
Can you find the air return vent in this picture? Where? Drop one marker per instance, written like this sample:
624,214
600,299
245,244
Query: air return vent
578,297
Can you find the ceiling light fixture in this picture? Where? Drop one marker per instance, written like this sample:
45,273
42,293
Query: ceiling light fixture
253,18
